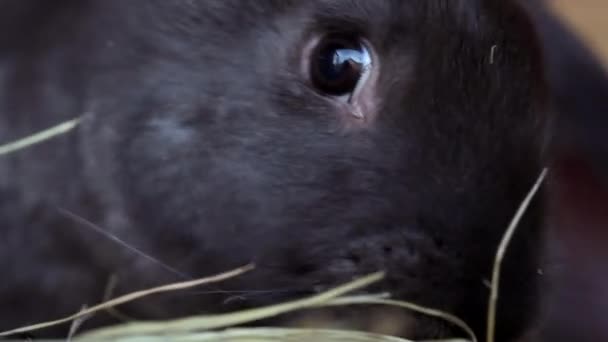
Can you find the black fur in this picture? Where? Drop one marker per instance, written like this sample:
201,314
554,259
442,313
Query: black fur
203,145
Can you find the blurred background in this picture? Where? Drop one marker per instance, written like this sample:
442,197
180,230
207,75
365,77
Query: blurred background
590,18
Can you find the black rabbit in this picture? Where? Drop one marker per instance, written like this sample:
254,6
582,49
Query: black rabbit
321,140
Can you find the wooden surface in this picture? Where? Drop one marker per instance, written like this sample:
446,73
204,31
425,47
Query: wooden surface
590,18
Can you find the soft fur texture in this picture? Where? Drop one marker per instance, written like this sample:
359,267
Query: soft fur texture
203,145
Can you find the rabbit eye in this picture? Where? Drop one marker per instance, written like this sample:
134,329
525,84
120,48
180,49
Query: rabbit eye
338,64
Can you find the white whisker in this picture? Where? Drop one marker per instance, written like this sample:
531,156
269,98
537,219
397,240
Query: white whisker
121,242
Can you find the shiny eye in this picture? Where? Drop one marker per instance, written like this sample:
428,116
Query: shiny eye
338,64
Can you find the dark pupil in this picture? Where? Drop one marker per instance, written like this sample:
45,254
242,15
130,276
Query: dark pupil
338,68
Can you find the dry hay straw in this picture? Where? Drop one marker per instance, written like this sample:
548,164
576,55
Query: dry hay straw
205,328
198,328
39,137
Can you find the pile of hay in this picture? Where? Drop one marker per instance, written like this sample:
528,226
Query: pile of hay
221,327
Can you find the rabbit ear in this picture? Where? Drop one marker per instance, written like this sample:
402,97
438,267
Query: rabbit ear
577,304
578,84
578,187
579,87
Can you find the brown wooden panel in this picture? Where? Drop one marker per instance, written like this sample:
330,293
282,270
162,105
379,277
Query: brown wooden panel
589,17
